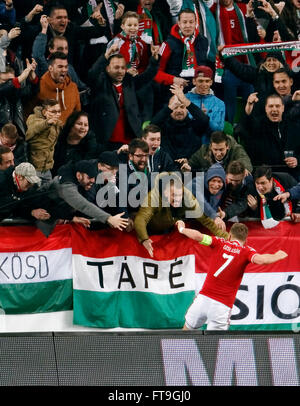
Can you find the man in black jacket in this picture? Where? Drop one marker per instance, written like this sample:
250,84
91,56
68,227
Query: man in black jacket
267,136
238,186
114,112
159,160
268,185
19,195
181,135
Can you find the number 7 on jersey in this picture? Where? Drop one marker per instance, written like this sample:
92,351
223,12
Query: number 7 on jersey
228,258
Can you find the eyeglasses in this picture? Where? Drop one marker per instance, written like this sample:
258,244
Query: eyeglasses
141,155
54,111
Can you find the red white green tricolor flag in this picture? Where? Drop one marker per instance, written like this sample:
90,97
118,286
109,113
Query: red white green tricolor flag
118,285
35,271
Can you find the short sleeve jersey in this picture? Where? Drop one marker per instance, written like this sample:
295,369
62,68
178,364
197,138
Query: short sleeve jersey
226,270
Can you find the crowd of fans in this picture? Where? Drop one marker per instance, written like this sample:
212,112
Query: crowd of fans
94,94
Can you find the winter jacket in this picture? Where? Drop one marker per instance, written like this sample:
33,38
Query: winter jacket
41,138
278,210
14,203
155,217
215,108
72,193
172,50
104,107
64,152
161,162
181,138
38,53
265,141
202,159
13,96
65,93
212,202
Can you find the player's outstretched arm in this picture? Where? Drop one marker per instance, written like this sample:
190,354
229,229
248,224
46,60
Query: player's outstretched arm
266,259
189,232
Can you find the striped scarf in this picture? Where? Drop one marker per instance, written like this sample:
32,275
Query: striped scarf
110,12
130,47
265,212
149,29
224,28
188,59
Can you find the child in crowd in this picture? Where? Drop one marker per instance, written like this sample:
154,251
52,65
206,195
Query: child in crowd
131,46
43,128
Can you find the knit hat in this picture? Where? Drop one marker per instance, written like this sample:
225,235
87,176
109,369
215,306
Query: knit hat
276,55
109,158
215,171
88,167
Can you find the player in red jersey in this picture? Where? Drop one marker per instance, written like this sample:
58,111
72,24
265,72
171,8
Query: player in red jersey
215,300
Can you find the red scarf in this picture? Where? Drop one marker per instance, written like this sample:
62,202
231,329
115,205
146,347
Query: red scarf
149,24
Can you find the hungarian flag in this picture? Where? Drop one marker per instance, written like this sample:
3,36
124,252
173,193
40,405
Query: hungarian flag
117,284
35,271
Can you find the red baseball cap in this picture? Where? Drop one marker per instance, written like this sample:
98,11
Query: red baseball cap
204,71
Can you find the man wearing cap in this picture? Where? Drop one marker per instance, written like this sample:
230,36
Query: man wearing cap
19,193
104,191
72,184
203,96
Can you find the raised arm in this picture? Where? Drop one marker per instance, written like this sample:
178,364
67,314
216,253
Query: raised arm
266,259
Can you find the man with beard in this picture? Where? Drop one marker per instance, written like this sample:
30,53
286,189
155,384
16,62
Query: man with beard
114,110
73,181
166,203
57,84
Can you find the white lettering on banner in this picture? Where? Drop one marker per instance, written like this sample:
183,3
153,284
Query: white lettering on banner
271,297
38,266
284,373
133,273
236,363
182,358
235,358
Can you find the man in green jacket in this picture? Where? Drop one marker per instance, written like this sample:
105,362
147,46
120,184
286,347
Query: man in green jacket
168,202
222,149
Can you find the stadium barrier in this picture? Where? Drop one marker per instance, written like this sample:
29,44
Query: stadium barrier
104,279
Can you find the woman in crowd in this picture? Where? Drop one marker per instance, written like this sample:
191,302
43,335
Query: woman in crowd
75,142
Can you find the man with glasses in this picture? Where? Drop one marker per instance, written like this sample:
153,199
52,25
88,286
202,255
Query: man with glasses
134,179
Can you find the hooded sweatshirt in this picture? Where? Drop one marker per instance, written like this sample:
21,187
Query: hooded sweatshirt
212,202
66,93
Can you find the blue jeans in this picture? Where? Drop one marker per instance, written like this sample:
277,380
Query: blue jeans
233,87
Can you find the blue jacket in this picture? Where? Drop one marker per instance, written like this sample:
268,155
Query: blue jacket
215,108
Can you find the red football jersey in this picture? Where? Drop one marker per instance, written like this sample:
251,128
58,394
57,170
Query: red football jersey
226,270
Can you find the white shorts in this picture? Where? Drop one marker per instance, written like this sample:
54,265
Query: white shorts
206,310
